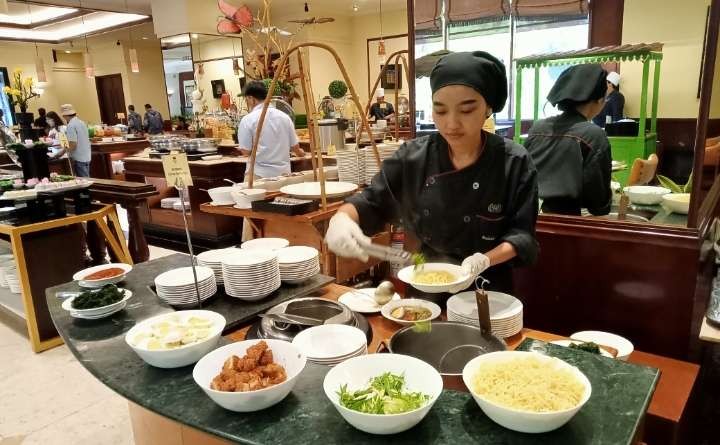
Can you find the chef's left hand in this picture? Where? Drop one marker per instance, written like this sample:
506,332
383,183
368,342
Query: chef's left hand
475,264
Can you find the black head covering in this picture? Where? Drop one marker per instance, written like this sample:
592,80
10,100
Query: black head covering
579,83
477,70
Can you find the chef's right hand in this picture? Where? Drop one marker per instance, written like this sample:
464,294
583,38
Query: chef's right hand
345,238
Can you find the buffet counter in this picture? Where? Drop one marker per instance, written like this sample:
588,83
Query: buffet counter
103,153
168,407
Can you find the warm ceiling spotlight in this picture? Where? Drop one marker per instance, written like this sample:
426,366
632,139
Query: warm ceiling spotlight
355,7
194,36
67,51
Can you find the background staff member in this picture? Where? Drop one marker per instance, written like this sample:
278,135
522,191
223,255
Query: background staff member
614,101
381,110
572,155
277,139
77,135
469,196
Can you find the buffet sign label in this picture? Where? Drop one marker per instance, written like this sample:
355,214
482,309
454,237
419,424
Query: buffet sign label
177,170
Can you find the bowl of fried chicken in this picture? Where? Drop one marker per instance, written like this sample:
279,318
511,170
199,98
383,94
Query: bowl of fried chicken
249,375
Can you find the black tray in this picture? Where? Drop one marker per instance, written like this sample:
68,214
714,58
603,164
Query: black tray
267,205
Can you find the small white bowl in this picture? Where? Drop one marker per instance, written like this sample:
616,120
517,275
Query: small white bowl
407,275
67,305
521,420
624,346
185,355
387,309
284,354
244,198
79,276
677,202
221,195
646,194
356,374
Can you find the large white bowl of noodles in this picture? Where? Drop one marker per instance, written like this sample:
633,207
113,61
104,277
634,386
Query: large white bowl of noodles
526,391
435,278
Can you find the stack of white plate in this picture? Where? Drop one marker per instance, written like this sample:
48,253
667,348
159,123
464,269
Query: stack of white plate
213,260
97,313
351,165
177,286
298,263
167,203
371,167
265,243
251,274
506,312
330,344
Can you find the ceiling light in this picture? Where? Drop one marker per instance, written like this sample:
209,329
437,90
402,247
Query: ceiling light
89,68
67,51
67,29
355,7
145,37
134,65
194,36
18,15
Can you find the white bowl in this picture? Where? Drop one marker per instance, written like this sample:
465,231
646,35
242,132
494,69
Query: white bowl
392,305
185,355
521,420
221,195
567,343
284,354
102,282
67,305
624,346
244,198
677,202
357,372
408,273
646,194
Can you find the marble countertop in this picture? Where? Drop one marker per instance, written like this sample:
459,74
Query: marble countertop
620,396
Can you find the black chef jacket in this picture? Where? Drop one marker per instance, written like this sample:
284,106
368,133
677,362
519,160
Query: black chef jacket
455,213
379,112
573,161
614,104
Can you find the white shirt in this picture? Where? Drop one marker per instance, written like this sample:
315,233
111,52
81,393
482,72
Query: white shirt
278,135
77,132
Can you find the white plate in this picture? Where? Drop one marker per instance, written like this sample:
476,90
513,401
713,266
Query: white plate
78,276
623,345
250,257
567,344
265,243
392,305
183,276
296,254
67,305
333,189
99,316
502,306
330,341
215,256
361,300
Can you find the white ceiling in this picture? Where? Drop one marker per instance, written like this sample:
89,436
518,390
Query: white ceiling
328,7
26,14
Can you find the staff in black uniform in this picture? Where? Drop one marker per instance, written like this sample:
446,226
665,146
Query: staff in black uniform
469,196
614,101
572,155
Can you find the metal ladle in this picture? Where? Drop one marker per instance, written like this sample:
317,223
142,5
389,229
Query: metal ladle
454,360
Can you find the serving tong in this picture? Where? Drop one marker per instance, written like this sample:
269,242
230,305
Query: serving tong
387,253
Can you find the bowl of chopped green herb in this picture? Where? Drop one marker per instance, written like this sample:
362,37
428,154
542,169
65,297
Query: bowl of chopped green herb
96,302
383,393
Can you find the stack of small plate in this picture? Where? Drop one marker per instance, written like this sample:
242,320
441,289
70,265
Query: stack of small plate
177,287
330,344
298,263
213,260
506,312
351,165
371,167
167,203
265,243
251,274
97,313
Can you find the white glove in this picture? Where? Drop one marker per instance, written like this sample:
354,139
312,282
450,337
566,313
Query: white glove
344,237
475,264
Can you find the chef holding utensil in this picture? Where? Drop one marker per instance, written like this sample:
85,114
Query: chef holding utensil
469,196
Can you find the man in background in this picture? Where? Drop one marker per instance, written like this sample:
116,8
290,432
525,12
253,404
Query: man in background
134,120
614,102
79,141
153,121
381,110
41,121
278,137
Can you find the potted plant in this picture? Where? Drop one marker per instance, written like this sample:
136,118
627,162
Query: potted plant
337,90
20,91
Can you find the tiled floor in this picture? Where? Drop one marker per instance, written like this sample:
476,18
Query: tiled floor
50,399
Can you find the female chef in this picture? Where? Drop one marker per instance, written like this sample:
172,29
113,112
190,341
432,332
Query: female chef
469,196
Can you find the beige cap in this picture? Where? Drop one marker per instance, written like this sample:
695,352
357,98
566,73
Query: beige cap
67,110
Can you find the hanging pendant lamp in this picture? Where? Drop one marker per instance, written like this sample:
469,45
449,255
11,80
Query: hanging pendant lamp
381,43
134,65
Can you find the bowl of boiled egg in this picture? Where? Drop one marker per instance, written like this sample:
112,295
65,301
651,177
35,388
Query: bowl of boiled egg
177,338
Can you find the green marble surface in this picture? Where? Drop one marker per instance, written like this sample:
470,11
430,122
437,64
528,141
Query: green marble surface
620,391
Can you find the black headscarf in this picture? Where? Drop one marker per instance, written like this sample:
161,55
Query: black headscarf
477,70
579,84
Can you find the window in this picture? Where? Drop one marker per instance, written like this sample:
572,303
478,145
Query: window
508,39
5,106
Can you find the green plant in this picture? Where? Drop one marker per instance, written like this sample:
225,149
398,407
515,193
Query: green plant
282,87
16,147
337,89
673,186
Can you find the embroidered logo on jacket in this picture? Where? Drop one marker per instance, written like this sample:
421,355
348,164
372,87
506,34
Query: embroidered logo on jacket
495,208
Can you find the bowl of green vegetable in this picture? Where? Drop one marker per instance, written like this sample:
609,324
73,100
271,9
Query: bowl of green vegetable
97,303
383,393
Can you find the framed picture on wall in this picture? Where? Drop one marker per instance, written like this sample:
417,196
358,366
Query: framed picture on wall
388,80
218,87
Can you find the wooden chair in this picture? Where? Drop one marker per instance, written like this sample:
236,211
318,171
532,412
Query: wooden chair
643,171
